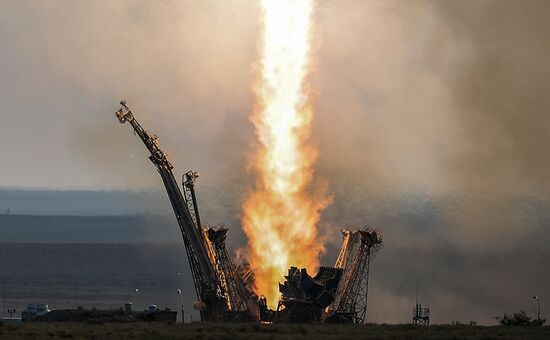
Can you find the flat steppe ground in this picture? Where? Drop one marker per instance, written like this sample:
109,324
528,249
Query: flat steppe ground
59,330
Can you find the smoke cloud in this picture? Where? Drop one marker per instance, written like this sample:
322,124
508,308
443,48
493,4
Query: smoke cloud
431,121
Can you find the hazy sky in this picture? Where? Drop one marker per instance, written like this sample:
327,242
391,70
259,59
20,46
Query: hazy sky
435,108
440,96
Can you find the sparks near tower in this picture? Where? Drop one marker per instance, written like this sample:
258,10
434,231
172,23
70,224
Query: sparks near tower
280,216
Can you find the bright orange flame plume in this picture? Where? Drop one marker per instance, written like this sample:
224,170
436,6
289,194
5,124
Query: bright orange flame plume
280,217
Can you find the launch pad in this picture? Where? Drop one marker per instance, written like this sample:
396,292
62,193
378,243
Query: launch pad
225,292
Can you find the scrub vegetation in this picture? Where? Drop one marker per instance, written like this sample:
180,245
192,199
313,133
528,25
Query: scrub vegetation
58,330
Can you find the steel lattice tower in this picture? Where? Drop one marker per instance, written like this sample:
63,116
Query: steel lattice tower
358,248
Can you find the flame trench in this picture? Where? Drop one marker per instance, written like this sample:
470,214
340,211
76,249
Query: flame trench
280,216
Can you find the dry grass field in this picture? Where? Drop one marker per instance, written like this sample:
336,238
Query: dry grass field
197,330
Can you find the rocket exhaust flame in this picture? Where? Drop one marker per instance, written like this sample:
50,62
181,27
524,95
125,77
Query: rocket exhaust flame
280,216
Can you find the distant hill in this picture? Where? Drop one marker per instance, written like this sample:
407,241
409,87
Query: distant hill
106,216
82,203
88,229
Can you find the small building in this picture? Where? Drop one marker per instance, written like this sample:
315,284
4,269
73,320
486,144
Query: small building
34,310
41,313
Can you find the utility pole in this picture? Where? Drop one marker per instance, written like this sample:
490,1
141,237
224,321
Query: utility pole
538,300
4,294
76,292
181,304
